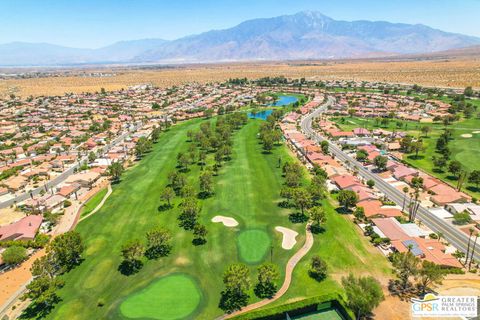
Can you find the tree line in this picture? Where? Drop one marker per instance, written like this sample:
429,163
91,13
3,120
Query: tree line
237,284
63,254
211,143
157,244
415,276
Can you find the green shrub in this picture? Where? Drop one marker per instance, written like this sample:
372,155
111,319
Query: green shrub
462,218
14,255
452,270
311,303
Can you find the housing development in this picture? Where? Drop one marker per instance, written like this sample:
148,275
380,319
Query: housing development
62,155
293,167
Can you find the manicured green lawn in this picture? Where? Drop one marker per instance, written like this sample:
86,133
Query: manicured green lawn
160,300
246,189
253,245
93,202
345,250
465,150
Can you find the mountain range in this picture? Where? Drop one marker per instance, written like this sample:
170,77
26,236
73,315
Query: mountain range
305,35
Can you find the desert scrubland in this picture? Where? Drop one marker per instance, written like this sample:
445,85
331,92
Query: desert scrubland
453,73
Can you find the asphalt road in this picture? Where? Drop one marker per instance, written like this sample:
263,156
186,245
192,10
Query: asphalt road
64,175
454,236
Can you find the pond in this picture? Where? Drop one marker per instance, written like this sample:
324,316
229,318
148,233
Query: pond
263,115
284,101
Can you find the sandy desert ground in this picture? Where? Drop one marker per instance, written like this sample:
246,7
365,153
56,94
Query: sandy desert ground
441,72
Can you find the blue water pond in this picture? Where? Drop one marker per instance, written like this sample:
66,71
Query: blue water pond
262,115
284,101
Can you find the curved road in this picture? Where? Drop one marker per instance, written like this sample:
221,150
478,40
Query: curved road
454,236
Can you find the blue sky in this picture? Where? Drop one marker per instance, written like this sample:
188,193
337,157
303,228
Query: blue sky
95,23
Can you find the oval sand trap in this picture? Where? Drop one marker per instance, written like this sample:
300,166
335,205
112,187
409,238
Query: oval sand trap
289,236
466,135
476,132
227,221
172,297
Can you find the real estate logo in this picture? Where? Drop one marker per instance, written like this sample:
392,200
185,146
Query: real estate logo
441,306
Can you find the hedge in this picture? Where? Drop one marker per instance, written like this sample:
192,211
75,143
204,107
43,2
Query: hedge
312,304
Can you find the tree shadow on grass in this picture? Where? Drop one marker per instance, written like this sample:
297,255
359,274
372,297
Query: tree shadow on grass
343,210
164,207
232,301
38,311
154,253
319,277
127,268
452,178
182,169
414,157
264,291
204,195
473,189
317,229
297,217
284,204
199,241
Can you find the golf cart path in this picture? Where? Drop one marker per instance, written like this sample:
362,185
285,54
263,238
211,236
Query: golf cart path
292,262
100,205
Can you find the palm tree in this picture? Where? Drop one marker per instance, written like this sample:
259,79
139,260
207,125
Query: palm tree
473,250
405,191
440,235
468,246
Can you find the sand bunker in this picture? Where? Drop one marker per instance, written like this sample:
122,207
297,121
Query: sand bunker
476,132
466,135
288,237
227,221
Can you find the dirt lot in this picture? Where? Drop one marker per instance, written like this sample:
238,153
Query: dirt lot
9,215
453,285
444,73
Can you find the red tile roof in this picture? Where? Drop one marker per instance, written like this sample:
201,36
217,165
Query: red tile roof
390,228
345,181
24,229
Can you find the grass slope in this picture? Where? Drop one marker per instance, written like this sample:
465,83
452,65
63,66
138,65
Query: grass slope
93,202
246,189
345,250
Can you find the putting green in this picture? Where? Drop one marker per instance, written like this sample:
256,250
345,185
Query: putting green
173,297
253,244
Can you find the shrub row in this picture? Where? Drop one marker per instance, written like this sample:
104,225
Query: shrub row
300,307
